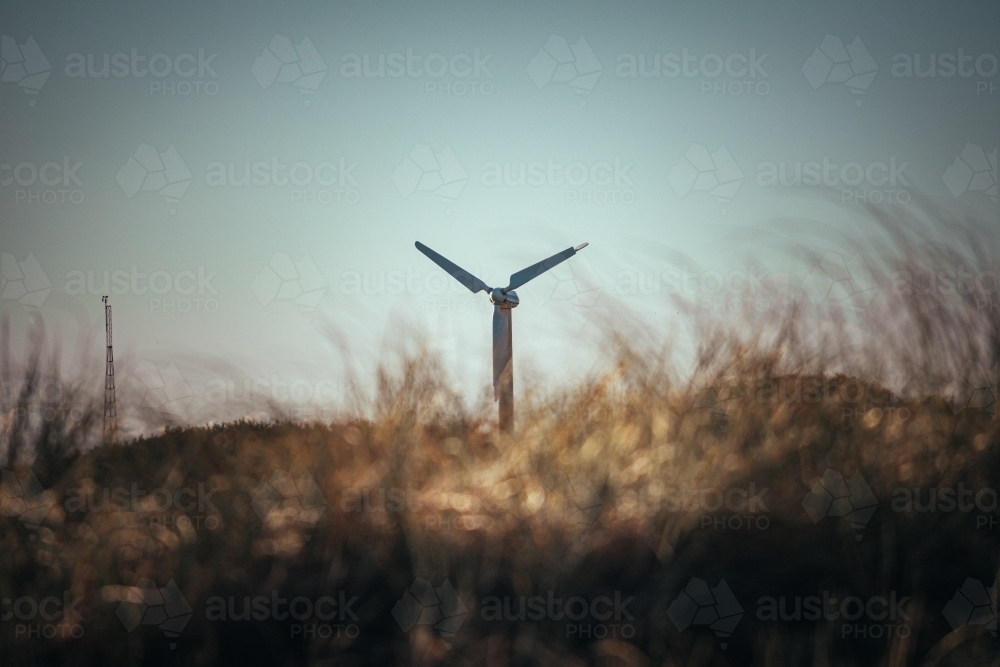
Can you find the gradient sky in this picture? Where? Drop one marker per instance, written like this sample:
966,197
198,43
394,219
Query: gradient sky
515,112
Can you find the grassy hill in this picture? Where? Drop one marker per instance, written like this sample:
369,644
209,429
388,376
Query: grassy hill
804,494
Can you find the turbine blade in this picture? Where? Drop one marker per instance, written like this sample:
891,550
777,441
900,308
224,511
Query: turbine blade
461,275
535,270
503,352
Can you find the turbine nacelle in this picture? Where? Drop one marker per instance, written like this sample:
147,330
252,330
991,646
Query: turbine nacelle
500,297
504,300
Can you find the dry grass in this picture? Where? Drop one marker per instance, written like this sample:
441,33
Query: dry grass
579,500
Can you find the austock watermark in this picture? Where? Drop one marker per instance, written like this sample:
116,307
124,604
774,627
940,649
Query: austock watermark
55,181
577,283
283,61
286,279
24,497
298,398
158,390
730,75
959,498
858,182
24,65
735,508
185,291
43,617
702,170
977,388
426,170
183,507
857,618
465,73
850,498
838,61
51,401
147,604
981,68
23,281
973,170
307,617
752,290
283,498
948,280
424,604
456,74
858,398
974,604
598,617
879,181
330,181
835,495
322,617
149,170
436,289
327,181
183,74
559,62
699,604
877,617
860,401
979,287
576,500
438,511
598,182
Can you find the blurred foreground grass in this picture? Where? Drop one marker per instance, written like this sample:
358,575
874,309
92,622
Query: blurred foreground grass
804,493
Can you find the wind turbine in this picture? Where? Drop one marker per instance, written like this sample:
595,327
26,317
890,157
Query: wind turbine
504,300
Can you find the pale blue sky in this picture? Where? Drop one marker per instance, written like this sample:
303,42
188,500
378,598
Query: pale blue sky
363,222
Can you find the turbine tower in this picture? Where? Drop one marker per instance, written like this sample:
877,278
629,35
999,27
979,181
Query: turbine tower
110,410
504,300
